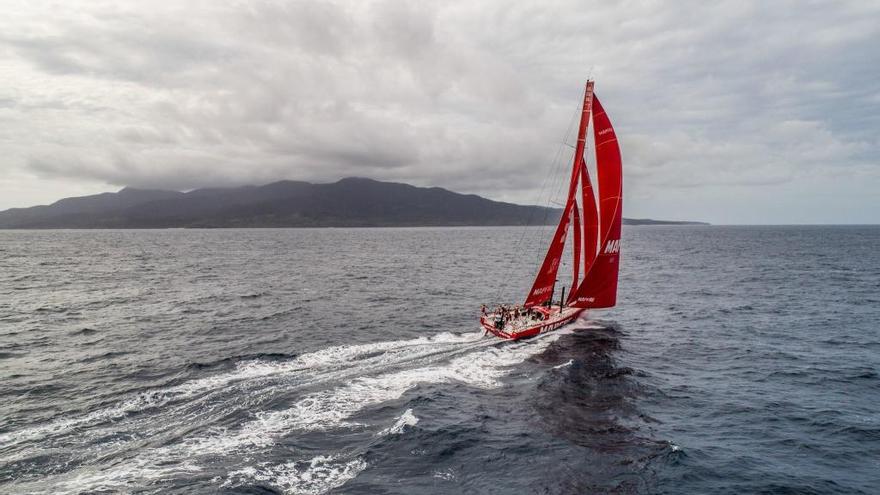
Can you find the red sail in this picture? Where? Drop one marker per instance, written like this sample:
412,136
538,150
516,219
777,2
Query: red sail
576,247
590,228
599,288
542,288
581,139
591,218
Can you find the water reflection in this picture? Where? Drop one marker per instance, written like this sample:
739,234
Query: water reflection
591,402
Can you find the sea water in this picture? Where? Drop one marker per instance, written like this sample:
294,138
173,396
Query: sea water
738,360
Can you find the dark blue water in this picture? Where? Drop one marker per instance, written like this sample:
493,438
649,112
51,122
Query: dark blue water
739,360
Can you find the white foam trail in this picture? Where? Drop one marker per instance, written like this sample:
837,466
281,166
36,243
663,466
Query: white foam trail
319,475
111,479
380,352
139,402
481,367
332,408
405,419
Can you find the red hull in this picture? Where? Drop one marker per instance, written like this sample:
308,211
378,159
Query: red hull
554,320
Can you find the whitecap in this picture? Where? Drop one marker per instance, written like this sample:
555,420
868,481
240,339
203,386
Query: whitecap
316,476
405,419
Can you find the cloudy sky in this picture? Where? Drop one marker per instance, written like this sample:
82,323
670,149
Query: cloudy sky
735,112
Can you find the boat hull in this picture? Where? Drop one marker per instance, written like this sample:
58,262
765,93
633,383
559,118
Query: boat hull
554,319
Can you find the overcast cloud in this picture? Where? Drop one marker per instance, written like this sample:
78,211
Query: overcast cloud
738,112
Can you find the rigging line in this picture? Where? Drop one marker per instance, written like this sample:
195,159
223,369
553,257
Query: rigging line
560,183
529,222
544,187
542,232
559,188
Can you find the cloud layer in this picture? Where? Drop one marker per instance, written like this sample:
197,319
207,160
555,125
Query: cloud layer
718,108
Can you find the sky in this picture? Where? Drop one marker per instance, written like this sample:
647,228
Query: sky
742,112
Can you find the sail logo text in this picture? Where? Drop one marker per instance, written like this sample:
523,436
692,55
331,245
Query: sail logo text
612,246
604,131
541,290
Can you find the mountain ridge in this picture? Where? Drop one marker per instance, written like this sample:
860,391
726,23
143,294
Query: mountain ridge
348,202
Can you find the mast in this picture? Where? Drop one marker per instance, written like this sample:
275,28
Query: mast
581,145
546,276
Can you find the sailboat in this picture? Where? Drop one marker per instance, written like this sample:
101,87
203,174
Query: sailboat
595,229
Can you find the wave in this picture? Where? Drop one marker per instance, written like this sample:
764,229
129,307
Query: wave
334,408
234,360
379,354
83,331
348,380
102,357
315,476
564,365
109,480
406,419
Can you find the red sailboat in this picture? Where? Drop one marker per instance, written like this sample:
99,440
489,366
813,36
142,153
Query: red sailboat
596,240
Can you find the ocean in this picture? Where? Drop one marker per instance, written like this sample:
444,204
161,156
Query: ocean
307,361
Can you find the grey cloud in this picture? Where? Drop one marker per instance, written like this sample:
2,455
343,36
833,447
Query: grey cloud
474,96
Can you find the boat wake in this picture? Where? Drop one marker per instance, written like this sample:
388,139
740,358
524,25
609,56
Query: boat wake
260,409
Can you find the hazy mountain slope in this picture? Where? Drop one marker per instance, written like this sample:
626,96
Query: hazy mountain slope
348,202
351,202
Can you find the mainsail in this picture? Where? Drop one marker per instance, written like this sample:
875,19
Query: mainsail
596,235
599,287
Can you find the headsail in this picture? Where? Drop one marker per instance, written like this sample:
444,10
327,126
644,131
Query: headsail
599,288
542,289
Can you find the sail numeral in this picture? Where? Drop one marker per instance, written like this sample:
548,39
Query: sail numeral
612,246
